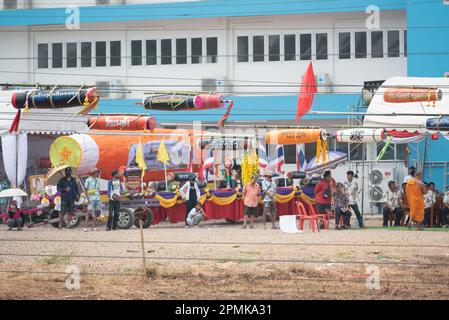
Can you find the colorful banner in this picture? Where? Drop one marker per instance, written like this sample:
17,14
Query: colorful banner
226,197
178,152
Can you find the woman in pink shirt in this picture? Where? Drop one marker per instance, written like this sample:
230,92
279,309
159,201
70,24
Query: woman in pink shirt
251,201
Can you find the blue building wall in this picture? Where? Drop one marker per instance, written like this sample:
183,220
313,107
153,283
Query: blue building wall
200,9
428,47
246,108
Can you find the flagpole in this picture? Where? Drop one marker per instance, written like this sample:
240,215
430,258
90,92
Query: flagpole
283,153
165,172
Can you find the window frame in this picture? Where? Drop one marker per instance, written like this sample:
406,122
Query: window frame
382,42
310,55
192,56
41,59
279,53
398,52
132,57
156,57
67,54
51,57
171,52
367,41
105,57
264,48
110,53
81,54
248,55
217,49
316,46
284,54
338,42
185,57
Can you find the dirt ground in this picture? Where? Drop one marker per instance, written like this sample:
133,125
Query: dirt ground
222,261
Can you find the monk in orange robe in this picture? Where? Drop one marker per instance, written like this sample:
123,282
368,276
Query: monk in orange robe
415,190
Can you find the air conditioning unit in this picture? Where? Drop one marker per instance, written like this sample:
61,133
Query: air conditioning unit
10,4
323,82
217,85
27,4
110,89
17,4
378,184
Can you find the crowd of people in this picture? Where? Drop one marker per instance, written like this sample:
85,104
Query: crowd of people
416,202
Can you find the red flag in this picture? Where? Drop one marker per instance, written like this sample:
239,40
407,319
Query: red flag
306,93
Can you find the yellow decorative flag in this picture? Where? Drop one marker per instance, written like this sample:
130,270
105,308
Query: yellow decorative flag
250,166
140,159
162,154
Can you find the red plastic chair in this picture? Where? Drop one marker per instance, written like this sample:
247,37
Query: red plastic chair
304,215
324,217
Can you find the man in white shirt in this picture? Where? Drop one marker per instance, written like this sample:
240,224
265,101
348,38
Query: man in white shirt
411,174
352,188
191,193
429,201
269,203
392,205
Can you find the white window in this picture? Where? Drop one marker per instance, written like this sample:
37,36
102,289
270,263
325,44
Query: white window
151,52
305,46
197,50
181,51
71,54
166,51
56,55
393,44
258,49
321,46
242,49
212,49
86,54
344,45
274,48
116,53
377,44
136,52
42,55
361,43
289,47
100,54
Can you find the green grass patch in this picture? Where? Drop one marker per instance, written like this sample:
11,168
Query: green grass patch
236,260
64,259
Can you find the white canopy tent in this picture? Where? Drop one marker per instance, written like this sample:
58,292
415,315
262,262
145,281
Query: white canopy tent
37,129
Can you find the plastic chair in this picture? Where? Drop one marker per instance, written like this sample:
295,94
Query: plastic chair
303,215
287,224
325,218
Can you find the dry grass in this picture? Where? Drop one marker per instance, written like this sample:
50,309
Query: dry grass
237,269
